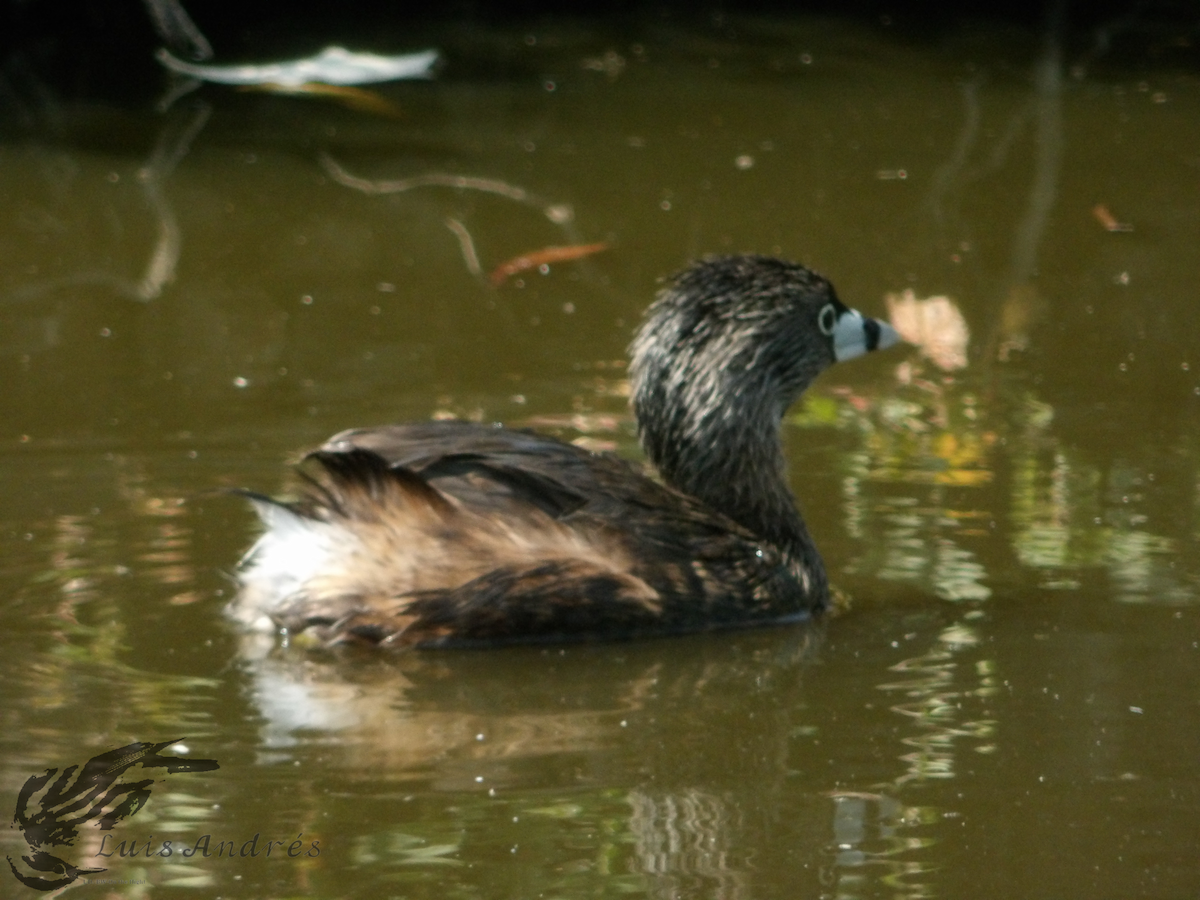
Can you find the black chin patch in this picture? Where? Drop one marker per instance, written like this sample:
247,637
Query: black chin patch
871,329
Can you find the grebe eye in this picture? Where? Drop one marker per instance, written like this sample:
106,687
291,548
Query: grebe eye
826,319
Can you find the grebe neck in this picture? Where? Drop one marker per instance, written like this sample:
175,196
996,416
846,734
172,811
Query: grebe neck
731,459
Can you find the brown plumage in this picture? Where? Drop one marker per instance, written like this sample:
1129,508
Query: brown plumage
451,533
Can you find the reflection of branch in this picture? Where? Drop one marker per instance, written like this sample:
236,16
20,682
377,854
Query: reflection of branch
999,155
558,213
177,29
951,171
173,144
1103,34
954,173
1048,153
170,150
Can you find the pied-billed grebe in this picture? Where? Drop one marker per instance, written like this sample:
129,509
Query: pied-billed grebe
452,533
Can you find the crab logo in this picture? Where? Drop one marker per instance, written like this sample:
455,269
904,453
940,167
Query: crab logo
50,810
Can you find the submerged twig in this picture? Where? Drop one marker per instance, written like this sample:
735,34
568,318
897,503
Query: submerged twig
561,214
558,213
1110,222
429,179
543,257
467,245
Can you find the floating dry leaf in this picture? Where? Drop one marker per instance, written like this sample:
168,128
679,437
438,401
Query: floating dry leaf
934,324
333,65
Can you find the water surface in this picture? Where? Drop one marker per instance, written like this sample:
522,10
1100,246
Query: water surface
1005,707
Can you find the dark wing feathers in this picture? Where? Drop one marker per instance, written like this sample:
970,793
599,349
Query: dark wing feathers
358,483
355,482
416,442
524,486
558,478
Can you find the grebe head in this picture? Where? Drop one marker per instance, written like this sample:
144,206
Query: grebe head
726,348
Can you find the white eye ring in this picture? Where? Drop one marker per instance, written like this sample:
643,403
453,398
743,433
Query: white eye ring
826,319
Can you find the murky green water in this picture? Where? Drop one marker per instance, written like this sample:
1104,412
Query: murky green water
1008,708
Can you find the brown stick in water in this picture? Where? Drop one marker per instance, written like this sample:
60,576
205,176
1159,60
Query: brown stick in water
545,256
